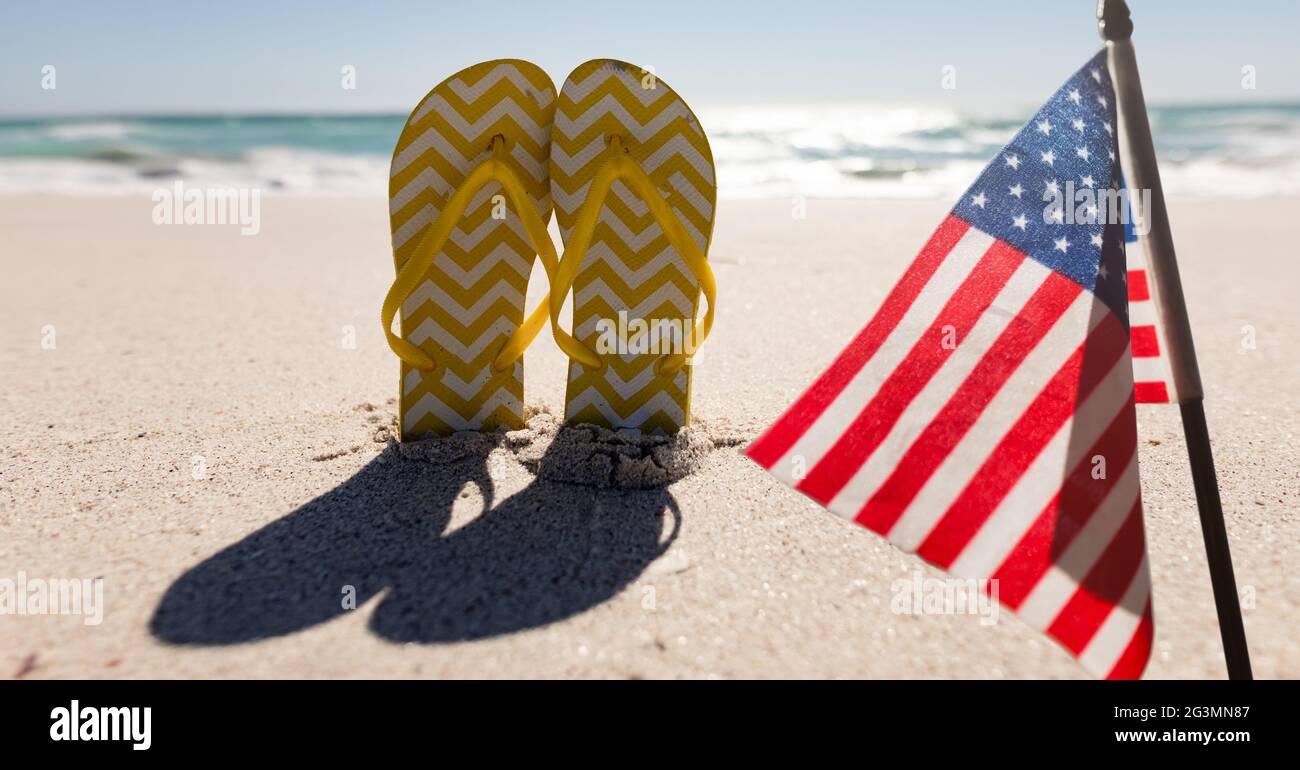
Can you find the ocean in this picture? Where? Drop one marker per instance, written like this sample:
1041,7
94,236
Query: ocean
770,151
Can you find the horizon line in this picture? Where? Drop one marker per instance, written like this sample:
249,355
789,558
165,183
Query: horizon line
399,112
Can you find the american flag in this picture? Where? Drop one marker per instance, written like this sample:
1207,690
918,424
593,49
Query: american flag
984,418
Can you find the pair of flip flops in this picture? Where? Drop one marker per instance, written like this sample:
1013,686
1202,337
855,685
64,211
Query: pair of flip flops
480,164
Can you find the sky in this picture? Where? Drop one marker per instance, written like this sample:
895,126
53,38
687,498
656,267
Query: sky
150,57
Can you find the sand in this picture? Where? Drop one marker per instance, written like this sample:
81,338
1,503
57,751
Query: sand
201,419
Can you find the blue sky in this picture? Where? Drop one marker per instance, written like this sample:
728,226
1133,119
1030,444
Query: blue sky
270,56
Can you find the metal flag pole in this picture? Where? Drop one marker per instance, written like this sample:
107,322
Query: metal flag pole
1139,162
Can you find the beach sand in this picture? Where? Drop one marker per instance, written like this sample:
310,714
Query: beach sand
198,418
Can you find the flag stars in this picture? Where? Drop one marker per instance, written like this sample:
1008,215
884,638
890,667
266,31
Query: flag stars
1013,161
978,200
1082,152
1102,271
1015,190
1020,221
1049,157
1109,128
1044,128
1087,181
1096,74
1078,125
1061,245
1096,240
1075,96
1102,100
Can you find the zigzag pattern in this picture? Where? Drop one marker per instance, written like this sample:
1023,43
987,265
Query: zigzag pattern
630,265
472,297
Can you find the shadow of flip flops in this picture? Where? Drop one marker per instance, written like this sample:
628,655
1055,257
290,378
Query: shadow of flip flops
544,554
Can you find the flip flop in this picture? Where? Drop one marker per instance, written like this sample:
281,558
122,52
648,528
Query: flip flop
632,177
469,198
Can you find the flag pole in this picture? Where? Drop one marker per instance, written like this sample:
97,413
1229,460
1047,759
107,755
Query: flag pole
1139,162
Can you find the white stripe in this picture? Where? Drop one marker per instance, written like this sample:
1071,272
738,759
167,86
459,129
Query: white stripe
430,405
629,388
1141,313
608,105
671,333
1115,635
426,179
430,329
466,389
679,146
1150,370
413,379
428,291
1062,579
659,402
1042,479
828,428
465,241
633,241
502,252
965,459
470,132
570,165
692,195
668,292
431,138
470,94
917,416
414,224
1134,256
664,260
691,230
630,78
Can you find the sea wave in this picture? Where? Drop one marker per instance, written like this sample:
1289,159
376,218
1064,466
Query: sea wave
836,150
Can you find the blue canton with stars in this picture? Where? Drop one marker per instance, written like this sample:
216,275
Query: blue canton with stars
1023,197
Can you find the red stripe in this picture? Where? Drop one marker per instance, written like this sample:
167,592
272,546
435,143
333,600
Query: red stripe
955,419
1145,343
1024,441
1134,660
929,353
783,434
1100,591
1067,514
1151,392
1138,291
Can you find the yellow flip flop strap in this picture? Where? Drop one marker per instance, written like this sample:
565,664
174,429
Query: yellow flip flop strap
497,167
619,165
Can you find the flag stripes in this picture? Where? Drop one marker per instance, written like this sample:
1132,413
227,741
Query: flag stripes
1153,378
778,440
980,452
1056,297
928,354
985,417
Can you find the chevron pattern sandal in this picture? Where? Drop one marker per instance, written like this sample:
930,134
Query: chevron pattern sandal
632,177
469,198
